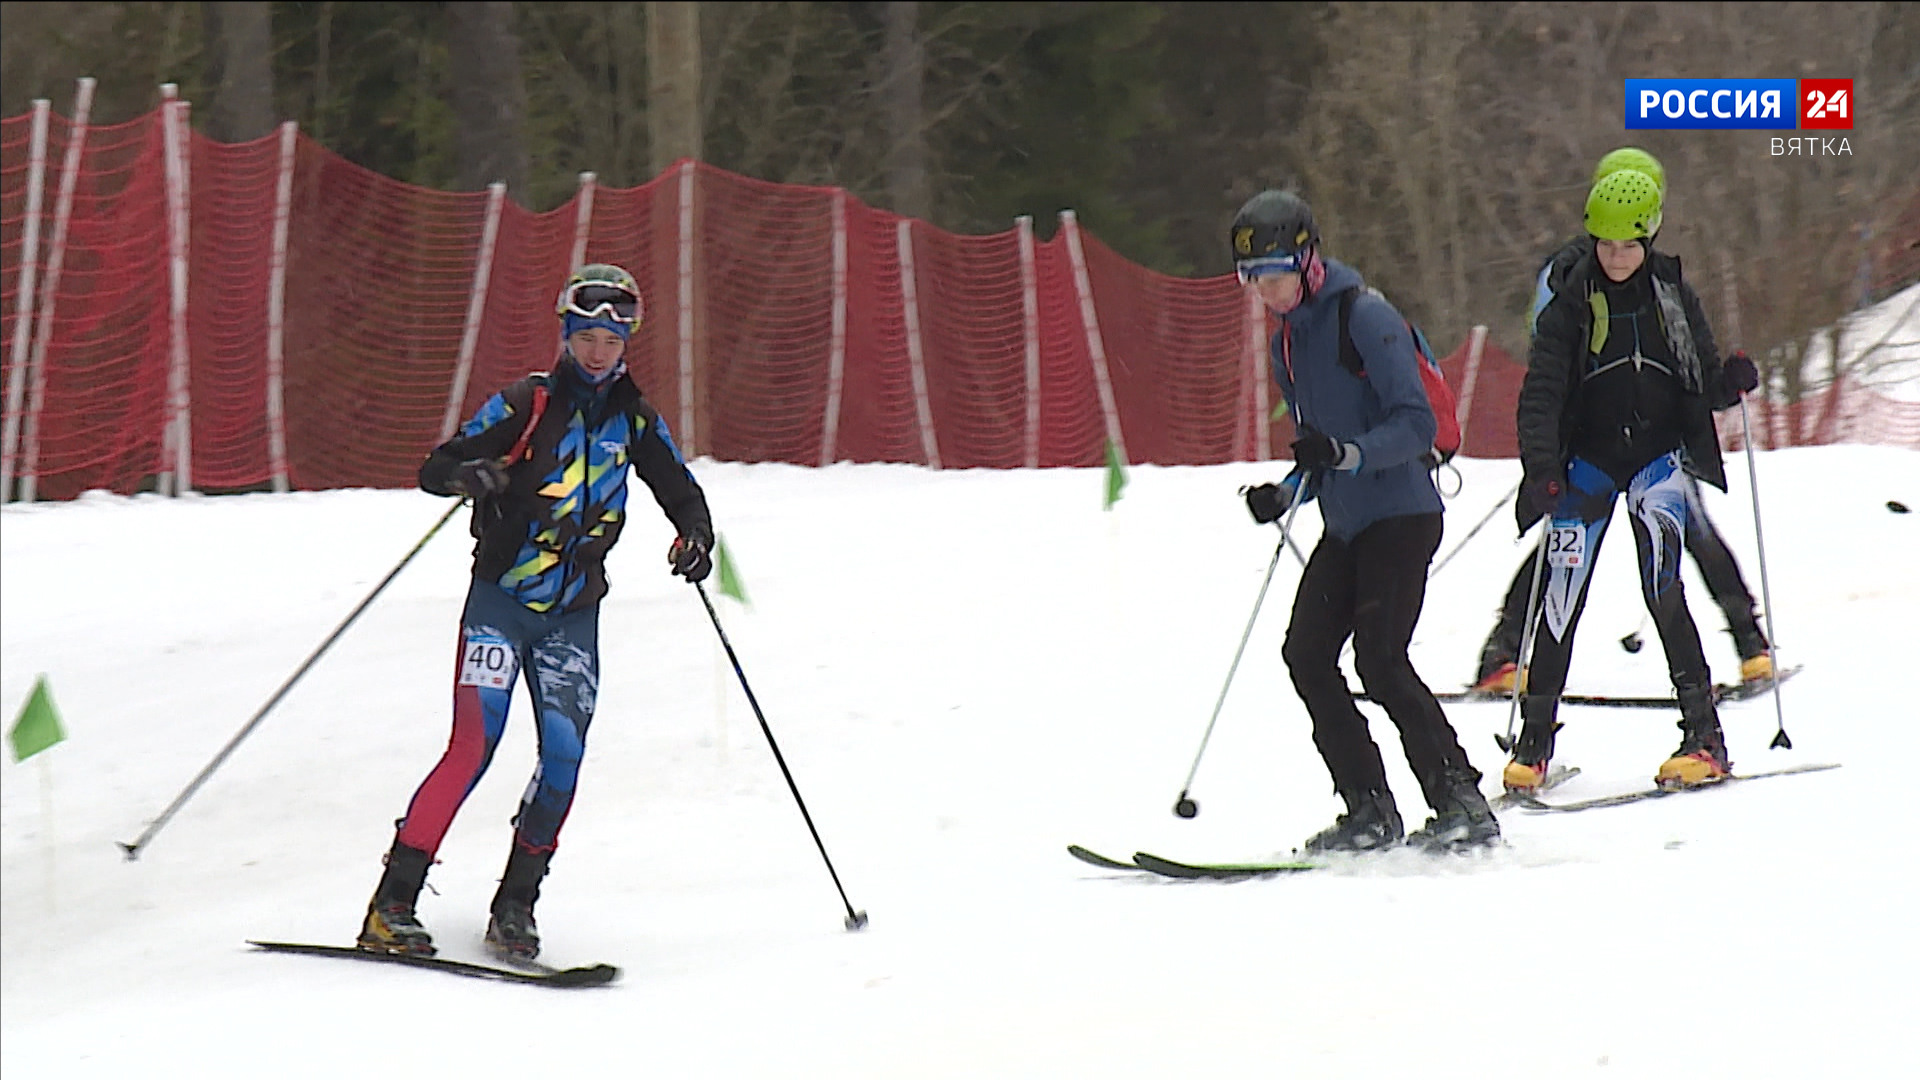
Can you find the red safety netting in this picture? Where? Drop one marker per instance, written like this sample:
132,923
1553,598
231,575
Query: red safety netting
94,382
231,223
16,135
783,323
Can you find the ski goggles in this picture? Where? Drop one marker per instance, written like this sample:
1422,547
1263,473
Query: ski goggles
1252,270
597,300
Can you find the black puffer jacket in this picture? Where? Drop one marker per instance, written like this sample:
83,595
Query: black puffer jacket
1560,357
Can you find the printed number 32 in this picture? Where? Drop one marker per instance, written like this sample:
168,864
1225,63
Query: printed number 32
1818,104
1566,545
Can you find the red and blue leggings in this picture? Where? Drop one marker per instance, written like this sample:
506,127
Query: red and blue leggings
560,654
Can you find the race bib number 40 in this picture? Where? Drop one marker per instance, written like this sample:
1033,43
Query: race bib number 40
1567,546
488,662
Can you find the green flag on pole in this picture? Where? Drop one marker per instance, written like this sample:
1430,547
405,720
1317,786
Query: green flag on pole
730,584
1116,475
38,725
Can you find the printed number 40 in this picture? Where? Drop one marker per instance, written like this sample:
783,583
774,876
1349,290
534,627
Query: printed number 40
1818,104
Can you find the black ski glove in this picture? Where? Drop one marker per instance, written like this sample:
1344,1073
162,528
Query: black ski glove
1540,494
690,556
1741,374
1314,450
1268,503
480,477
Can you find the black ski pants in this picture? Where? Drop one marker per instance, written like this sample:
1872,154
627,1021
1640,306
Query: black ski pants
1657,508
1717,566
1371,589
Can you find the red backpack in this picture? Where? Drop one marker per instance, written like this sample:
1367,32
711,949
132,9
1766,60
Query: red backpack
1446,408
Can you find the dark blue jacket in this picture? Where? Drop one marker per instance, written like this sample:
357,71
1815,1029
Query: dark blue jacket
1385,414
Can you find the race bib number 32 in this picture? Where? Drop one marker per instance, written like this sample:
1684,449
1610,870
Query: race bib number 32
1567,546
488,662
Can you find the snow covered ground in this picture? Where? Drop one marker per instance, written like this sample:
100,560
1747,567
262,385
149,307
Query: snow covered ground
1891,329
966,672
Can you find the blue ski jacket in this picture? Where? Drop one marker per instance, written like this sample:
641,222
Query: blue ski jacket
1383,412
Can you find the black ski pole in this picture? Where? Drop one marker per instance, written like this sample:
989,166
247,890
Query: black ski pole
1525,659
1184,806
1780,740
134,849
855,919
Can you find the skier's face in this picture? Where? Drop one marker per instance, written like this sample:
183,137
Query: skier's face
1278,291
1620,258
596,349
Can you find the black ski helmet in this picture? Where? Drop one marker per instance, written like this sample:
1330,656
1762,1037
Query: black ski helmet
1273,223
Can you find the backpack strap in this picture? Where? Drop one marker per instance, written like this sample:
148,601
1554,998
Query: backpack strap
535,411
1349,353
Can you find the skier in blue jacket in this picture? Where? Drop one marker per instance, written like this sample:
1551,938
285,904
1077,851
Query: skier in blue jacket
545,461
1361,447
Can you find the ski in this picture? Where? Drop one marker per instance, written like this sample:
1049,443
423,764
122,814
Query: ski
1542,806
1094,858
1557,775
532,973
1218,871
1743,691
1154,864
1722,692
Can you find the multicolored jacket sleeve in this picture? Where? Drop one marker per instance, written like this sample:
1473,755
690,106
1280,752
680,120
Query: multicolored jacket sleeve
489,434
657,460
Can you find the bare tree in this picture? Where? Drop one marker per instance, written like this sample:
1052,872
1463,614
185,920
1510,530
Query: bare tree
906,63
1392,150
488,94
673,82
239,44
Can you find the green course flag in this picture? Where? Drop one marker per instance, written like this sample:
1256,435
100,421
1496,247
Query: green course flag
729,574
1116,475
38,725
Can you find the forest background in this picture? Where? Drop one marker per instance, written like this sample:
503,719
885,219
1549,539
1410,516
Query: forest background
1445,147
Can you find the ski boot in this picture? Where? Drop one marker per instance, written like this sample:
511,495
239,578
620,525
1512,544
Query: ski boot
1702,757
1371,822
1527,771
511,931
1461,817
1756,658
1500,680
391,925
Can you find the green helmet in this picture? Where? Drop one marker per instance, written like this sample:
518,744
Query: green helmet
1624,205
1631,157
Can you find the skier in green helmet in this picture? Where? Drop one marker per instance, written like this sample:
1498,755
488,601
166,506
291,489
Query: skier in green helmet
1498,668
1622,379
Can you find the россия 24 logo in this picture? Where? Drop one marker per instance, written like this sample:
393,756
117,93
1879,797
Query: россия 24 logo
1740,104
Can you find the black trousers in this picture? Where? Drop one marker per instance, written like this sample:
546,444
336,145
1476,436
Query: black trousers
1717,566
1370,589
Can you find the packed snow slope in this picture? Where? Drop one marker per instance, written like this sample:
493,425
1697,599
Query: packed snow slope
966,671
